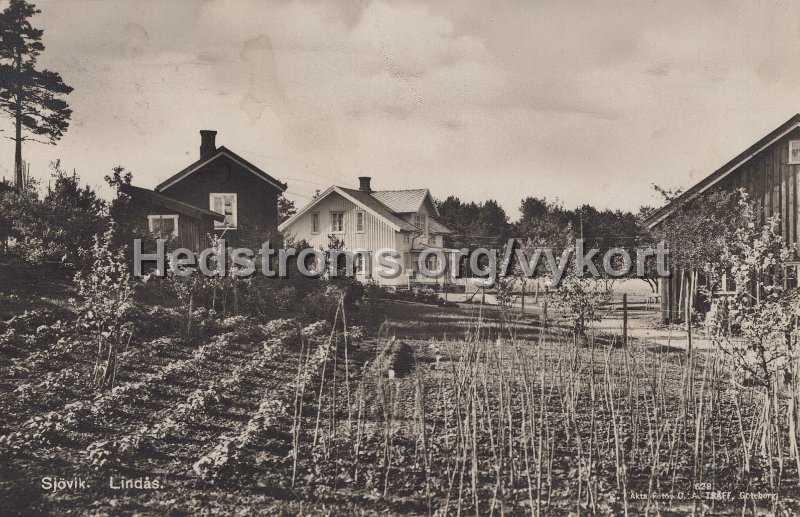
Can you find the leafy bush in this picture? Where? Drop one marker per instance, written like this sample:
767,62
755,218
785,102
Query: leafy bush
153,320
59,227
580,301
281,329
107,291
757,327
419,294
317,329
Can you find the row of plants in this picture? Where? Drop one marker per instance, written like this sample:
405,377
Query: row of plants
234,453
105,453
53,426
137,390
201,400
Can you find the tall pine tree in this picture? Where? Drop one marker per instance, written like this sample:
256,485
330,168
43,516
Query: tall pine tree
34,98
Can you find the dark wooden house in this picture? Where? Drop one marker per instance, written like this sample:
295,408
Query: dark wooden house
224,182
220,193
768,171
188,225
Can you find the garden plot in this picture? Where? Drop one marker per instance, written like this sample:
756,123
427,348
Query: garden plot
270,418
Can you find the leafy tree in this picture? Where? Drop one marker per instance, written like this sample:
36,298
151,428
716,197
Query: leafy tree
33,97
118,209
697,233
61,226
17,205
454,214
581,301
473,224
492,222
543,223
286,208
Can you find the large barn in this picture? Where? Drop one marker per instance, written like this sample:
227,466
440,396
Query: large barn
768,171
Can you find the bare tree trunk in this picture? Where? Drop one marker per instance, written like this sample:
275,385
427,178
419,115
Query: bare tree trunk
18,171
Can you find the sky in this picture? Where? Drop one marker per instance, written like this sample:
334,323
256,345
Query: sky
576,101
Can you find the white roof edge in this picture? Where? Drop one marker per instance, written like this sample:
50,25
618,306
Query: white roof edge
429,195
325,194
203,164
299,213
722,176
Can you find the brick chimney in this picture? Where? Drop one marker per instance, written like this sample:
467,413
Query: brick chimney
207,143
364,184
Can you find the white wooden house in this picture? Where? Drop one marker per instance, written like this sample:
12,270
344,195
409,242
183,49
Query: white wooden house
367,220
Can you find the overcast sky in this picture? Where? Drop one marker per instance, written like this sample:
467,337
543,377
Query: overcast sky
587,102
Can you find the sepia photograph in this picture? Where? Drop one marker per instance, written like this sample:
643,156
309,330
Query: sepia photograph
400,257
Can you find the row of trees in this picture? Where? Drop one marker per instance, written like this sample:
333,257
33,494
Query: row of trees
545,222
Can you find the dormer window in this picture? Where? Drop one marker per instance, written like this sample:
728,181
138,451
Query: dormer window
224,204
794,151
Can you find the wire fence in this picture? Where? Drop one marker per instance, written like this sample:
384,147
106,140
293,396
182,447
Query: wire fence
625,317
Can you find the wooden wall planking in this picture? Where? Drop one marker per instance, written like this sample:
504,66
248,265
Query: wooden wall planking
774,187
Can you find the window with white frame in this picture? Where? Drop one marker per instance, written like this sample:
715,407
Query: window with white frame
794,151
359,222
337,222
421,222
224,204
163,226
315,222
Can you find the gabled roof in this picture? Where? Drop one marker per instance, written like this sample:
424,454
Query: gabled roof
375,205
402,201
219,152
362,199
435,226
716,176
368,201
172,204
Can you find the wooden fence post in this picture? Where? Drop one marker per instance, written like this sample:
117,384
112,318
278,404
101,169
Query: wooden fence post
544,306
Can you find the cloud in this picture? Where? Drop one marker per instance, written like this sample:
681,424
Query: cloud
584,101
